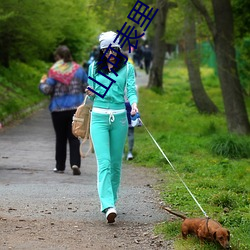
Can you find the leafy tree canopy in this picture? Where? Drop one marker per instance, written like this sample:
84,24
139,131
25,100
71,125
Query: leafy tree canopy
32,30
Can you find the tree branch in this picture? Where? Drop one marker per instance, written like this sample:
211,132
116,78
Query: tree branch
172,5
202,9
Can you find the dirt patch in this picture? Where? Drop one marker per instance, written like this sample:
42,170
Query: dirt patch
51,234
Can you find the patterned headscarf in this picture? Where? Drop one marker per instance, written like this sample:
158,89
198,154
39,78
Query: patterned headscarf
63,72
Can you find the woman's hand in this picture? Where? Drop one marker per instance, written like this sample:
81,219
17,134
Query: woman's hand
43,79
134,109
89,92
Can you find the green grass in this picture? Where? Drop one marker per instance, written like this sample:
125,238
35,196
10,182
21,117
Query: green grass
214,164
19,87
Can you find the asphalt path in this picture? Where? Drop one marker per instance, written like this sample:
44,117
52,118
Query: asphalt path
26,164
31,190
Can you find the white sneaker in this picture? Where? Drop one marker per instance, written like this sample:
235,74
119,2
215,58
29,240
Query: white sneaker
111,214
130,156
58,171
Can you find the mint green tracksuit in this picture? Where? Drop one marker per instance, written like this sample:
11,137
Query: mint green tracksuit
109,130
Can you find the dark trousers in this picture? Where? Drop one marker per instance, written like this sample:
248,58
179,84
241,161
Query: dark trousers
130,129
131,139
147,65
62,122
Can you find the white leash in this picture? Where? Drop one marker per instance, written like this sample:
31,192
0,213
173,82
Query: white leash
174,169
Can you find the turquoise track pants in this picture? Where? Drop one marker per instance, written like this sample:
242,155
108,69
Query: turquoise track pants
108,136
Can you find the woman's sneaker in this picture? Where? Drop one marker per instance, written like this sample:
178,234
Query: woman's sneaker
111,214
76,170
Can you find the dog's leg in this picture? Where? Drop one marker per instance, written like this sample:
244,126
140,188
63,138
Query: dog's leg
201,242
184,235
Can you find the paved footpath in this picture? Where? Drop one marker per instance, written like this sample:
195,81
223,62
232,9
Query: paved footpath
30,192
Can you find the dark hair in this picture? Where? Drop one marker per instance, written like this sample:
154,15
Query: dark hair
103,63
64,53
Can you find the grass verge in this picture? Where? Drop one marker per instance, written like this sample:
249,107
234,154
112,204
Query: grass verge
214,164
19,89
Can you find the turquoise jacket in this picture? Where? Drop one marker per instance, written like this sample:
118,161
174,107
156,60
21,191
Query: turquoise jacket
114,98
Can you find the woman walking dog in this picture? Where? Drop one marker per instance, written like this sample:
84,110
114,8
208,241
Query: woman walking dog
109,123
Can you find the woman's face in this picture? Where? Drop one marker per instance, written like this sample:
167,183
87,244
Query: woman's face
109,52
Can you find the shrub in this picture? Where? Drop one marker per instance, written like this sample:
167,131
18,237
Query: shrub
224,200
231,146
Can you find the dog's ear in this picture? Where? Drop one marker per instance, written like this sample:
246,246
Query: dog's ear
228,237
214,235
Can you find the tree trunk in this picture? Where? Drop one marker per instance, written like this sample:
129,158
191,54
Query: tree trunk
159,46
235,109
201,99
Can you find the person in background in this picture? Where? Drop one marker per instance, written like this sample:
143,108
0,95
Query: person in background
65,83
130,133
138,56
130,127
147,54
93,55
109,125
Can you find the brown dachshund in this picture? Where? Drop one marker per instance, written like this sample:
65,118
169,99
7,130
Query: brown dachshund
204,229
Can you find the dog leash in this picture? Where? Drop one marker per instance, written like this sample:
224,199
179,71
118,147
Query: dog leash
174,169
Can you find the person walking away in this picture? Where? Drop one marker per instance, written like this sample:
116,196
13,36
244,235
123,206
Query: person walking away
93,55
139,52
147,58
130,133
66,83
130,127
109,123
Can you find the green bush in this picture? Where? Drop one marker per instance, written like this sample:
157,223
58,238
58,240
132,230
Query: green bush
231,146
19,87
223,200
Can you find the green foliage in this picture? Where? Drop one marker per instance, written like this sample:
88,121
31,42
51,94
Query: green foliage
219,183
19,87
41,29
242,37
174,25
176,18
116,11
231,146
224,200
243,59
241,17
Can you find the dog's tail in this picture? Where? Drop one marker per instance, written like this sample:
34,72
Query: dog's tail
175,213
